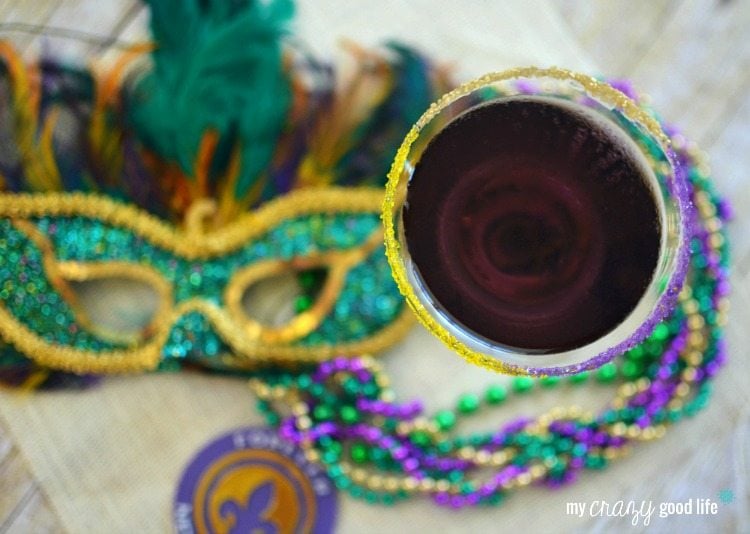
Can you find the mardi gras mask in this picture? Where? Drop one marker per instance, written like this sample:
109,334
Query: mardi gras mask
199,184
200,278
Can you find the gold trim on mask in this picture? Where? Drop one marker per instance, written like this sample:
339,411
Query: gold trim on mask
193,245
60,273
251,343
338,264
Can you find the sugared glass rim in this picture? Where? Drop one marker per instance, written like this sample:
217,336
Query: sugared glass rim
601,350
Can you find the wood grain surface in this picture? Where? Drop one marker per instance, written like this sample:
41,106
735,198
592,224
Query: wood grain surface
692,56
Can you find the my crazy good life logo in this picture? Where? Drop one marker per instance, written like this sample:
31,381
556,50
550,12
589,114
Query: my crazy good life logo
251,480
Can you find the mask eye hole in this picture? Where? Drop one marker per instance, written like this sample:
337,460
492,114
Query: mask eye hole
278,299
117,309
320,278
277,302
120,302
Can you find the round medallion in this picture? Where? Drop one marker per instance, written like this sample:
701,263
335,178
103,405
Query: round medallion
252,480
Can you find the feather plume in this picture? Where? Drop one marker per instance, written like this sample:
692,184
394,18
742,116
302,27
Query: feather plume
216,67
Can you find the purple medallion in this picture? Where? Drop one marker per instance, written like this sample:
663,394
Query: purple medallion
252,480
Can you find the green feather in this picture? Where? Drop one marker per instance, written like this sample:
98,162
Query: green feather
217,66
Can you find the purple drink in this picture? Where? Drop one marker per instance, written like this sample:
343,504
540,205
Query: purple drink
532,221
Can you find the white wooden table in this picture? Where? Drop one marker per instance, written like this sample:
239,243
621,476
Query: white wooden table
692,56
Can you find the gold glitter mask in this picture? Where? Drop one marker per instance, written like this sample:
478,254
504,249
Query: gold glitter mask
330,237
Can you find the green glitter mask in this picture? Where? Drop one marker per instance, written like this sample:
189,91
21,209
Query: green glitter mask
201,167
200,277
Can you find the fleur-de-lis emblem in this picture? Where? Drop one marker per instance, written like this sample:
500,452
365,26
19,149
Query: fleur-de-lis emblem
250,518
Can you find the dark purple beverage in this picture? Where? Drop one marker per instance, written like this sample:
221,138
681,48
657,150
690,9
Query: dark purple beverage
533,223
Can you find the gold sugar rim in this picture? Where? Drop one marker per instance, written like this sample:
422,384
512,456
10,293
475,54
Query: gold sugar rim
599,89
